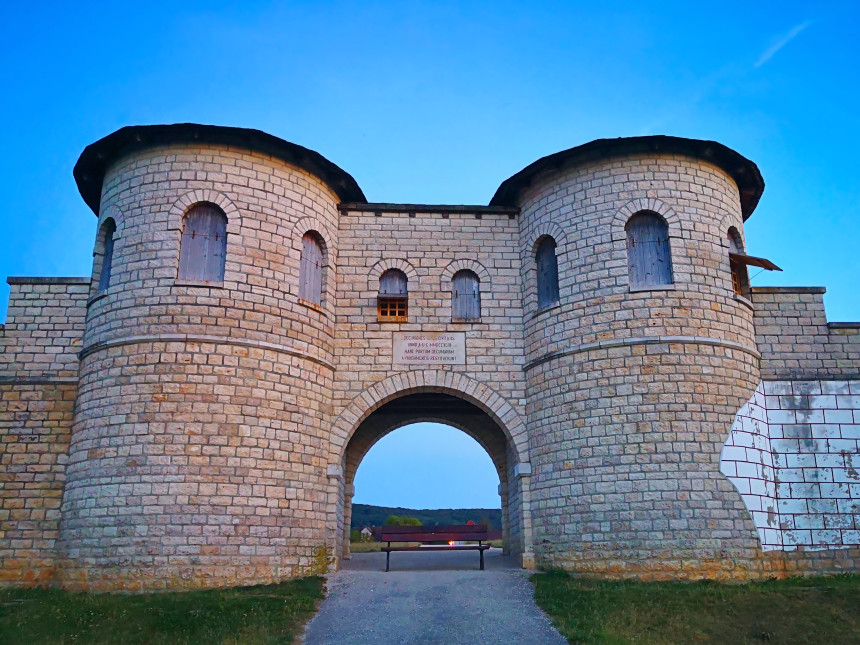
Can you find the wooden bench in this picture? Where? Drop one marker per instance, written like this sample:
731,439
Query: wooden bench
459,533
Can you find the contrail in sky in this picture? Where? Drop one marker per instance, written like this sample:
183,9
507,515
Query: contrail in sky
782,42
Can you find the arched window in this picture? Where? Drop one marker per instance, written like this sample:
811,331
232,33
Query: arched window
740,275
203,249
108,231
465,296
547,273
310,272
392,304
649,260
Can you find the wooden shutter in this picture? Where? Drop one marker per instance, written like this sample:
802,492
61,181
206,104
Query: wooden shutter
310,272
648,254
740,275
547,278
393,301
466,296
203,249
393,283
107,259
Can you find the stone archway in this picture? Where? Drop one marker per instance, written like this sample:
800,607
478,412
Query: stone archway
475,409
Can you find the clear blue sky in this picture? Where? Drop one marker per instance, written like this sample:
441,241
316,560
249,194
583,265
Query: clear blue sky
439,102
427,465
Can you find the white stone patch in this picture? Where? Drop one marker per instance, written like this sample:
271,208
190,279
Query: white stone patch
794,456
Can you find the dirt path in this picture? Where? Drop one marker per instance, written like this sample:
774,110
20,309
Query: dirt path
430,598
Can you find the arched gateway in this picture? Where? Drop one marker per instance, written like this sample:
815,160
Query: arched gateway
201,410
442,397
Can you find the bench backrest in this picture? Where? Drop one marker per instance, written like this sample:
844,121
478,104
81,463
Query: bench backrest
461,532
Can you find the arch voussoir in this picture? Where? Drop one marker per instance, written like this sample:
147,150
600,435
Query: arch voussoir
441,381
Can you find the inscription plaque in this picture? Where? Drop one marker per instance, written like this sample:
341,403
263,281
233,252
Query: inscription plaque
429,347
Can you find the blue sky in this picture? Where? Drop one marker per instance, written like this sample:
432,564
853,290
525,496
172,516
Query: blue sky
439,102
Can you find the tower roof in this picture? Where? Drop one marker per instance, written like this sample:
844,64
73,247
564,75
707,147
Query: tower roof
745,173
91,166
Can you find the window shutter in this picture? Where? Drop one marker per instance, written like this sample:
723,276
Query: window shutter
393,302
466,296
648,254
310,278
547,278
107,259
203,249
392,284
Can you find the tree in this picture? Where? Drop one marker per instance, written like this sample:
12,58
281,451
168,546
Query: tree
402,520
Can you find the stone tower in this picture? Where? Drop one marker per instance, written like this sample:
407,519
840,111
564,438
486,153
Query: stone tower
199,434
633,386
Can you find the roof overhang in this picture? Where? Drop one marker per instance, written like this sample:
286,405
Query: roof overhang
93,163
744,172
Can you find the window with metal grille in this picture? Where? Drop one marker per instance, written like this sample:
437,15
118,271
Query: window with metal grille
393,300
311,270
466,296
203,249
547,273
649,259
108,231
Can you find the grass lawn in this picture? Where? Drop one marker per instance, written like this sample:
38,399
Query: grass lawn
261,614
798,610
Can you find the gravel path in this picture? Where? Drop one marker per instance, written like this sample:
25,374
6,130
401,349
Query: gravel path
430,598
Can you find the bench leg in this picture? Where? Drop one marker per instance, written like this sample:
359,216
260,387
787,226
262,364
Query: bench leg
482,559
387,559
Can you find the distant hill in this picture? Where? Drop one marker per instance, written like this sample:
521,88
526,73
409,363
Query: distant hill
367,515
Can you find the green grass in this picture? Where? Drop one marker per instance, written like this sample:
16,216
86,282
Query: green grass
797,611
261,614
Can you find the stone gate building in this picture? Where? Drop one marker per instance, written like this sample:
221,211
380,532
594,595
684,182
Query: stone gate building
194,412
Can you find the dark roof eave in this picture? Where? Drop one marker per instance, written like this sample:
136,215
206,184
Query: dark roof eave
744,172
90,169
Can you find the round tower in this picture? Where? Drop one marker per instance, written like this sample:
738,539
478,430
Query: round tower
198,454
639,355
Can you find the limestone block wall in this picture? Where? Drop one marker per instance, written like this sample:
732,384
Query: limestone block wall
793,451
44,328
38,386
198,452
430,244
632,392
795,339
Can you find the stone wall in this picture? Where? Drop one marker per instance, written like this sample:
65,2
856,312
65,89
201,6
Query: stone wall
795,339
44,328
38,387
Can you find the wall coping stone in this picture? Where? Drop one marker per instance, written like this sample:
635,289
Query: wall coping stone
468,209
788,290
51,280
